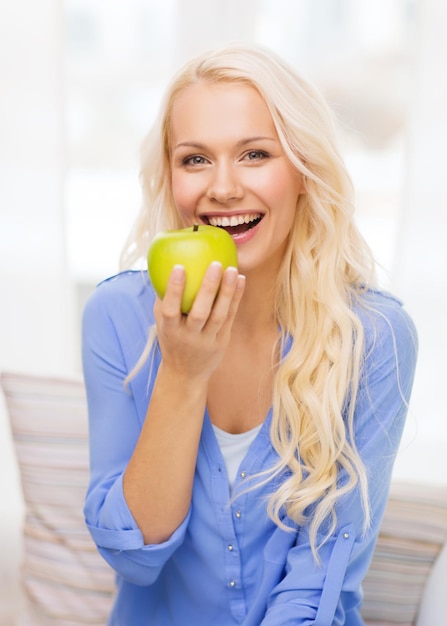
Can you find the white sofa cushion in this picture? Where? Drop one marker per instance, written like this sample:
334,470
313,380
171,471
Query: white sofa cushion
433,609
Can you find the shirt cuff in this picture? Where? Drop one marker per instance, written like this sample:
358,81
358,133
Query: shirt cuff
117,529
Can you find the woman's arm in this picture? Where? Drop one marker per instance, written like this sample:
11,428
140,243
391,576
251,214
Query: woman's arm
158,480
159,469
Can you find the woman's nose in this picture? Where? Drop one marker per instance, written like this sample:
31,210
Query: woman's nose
225,184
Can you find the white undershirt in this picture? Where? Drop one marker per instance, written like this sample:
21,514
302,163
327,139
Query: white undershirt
234,448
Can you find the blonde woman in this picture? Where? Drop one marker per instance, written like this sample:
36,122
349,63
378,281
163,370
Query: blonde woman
241,454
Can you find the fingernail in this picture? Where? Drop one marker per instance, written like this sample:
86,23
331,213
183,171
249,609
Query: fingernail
240,281
178,273
230,275
215,270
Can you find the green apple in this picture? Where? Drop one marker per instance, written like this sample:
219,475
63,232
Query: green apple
195,248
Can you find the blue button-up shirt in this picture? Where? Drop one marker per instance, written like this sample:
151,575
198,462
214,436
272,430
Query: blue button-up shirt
228,563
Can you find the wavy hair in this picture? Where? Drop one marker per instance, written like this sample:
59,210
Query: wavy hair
326,266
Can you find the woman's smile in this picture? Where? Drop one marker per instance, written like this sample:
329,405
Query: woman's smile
242,227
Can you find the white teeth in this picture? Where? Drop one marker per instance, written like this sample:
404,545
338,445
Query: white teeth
234,220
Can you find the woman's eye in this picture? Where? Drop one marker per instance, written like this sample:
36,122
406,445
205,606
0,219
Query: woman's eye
256,155
193,160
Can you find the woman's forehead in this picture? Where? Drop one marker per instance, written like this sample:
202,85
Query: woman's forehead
219,108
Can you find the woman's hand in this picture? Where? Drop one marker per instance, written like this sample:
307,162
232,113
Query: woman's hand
194,344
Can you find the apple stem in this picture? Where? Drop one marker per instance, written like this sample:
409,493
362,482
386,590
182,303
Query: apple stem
195,228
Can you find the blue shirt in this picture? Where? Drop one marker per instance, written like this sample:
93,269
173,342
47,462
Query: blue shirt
228,563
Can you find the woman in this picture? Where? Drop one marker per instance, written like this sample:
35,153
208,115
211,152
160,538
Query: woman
241,454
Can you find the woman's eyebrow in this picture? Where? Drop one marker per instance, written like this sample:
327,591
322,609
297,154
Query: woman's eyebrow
248,140
240,143
190,144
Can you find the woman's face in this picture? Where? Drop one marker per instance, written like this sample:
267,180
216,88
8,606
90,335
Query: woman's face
229,170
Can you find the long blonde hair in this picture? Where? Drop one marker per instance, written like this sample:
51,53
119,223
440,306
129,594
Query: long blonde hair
326,266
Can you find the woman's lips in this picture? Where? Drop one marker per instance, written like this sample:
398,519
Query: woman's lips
233,220
241,227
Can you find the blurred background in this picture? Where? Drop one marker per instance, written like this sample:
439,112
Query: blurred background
80,81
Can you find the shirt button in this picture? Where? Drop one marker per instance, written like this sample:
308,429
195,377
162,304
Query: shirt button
238,514
243,474
232,584
230,548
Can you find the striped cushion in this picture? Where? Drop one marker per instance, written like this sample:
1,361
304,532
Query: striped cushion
413,532
65,580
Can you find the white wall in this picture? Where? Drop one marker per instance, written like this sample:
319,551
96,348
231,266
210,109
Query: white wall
36,312
36,315
421,260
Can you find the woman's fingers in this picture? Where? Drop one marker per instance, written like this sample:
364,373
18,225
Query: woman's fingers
227,301
215,304
237,297
197,342
218,299
170,306
206,296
